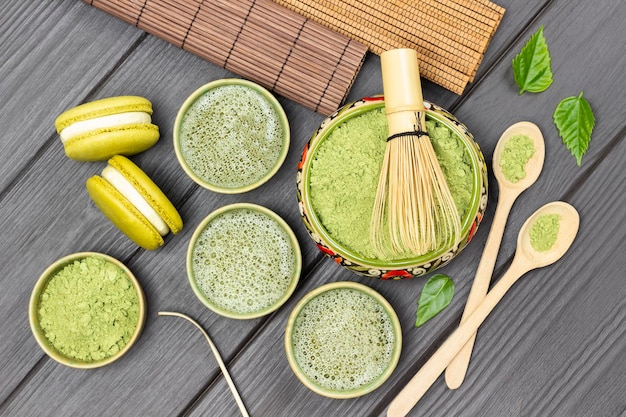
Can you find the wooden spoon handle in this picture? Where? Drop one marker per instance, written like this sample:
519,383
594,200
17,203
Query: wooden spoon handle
428,374
455,373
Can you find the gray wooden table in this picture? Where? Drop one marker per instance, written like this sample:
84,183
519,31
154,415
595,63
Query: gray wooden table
555,346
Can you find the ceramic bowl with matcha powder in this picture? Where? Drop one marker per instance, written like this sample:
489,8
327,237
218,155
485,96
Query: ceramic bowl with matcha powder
87,310
243,261
231,136
338,176
343,340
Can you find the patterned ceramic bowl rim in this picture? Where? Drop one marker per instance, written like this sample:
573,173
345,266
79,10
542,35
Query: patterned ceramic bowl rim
395,355
33,314
405,268
220,83
297,262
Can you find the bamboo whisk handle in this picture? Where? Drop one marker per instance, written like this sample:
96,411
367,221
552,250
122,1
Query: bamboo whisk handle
404,104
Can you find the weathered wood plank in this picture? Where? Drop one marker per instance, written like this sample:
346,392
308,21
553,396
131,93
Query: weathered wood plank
156,363
561,353
553,346
530,357
51,55
587,60
557,338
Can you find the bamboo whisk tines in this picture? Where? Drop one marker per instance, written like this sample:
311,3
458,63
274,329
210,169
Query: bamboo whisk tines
414,210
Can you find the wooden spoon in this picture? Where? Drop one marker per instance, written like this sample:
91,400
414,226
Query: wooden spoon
509,191
526,258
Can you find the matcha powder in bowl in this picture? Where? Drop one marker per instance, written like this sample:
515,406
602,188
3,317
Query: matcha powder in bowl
342,195
87,310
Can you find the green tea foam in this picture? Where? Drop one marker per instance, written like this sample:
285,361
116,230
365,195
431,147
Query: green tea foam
243,261
343,339
231,136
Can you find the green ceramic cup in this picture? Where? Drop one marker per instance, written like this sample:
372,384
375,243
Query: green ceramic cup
231,136
243,261
343,340
35,317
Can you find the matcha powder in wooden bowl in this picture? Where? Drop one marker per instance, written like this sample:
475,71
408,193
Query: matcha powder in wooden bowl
345,170
89,310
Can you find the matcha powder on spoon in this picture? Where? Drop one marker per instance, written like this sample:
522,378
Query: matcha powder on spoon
515,155
89,310
544,231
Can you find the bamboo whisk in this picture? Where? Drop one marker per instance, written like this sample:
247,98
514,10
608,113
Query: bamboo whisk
413,197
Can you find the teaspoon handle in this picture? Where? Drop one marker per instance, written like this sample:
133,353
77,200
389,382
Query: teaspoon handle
455,373
428,374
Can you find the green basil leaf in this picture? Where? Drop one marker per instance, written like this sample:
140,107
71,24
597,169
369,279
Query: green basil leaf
574,120
531,67
436,295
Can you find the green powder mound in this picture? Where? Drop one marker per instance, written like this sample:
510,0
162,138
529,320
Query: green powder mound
343,339
89,310
544,231
515,155
345,170
455,164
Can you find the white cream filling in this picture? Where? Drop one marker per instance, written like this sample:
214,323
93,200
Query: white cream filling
84,126
121,184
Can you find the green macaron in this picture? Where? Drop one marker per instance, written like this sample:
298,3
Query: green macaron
100,129
134,203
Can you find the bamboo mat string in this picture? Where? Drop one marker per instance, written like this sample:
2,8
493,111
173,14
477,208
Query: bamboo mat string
259,40
241,28
291,49
319,103
195,16
140,12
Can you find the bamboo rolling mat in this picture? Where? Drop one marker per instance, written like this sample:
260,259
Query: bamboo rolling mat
260,40
450,36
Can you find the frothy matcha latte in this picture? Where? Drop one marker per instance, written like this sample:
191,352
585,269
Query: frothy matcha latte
243,261
343,339
231,136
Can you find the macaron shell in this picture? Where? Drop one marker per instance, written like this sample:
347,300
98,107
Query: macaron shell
123,214
150,191
101,144
102,107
